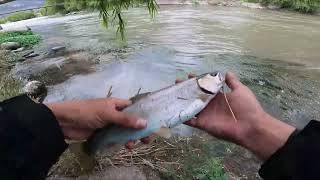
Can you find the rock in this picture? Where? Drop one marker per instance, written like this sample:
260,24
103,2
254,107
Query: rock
253,5
273,7
10,45
32,55
36,90
1,28
57,51
18,50
118,173
14,28
27,53
58,48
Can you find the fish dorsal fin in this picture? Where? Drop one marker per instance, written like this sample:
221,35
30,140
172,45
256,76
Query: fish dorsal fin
164,132
138,97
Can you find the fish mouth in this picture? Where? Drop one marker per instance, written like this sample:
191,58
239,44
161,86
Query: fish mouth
211,83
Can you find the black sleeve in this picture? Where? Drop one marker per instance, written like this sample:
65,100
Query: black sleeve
298,159
31,140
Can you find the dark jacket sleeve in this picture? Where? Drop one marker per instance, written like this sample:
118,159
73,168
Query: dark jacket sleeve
31,140
298,159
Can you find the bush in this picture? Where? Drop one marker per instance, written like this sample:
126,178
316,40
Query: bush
304,6
19,16
26,39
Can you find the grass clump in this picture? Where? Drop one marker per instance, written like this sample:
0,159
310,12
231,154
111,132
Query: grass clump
18,16
26,38
9,87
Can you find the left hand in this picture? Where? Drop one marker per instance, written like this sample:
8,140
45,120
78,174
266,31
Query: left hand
80,119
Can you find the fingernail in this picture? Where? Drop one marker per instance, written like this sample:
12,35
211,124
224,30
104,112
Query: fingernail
141,123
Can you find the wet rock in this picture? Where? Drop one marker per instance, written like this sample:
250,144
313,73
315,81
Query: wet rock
32,55
10,45
18,50
253,5
57,51
36,90
1,28
27,53
273,7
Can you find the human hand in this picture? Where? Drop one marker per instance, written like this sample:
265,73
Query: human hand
253,128
79,119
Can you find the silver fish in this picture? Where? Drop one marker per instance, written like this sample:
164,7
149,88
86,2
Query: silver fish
165,108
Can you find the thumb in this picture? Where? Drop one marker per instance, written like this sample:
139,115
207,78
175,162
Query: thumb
127,120
232,81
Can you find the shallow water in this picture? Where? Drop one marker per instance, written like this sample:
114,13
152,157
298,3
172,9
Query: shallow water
275,53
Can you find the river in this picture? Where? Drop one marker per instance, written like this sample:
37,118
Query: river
275,53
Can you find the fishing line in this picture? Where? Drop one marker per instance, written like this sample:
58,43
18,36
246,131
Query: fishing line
229,106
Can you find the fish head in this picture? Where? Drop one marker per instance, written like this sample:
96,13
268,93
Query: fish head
211,83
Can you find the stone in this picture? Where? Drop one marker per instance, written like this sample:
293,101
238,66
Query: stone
273,7
36,90
57,51
118,173
27,53
18,50
1,28
32,55
10,45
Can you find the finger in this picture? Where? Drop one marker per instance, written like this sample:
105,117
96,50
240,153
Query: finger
130,145
146,140
127,120
179,81
121,103
190,76
232,81
77,133
192,122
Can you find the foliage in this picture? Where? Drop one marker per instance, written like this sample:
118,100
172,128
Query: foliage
212,170
304,6
203,164
18,16
26,38
110,10
9,87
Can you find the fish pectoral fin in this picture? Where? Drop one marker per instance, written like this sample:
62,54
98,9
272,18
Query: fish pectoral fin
164,132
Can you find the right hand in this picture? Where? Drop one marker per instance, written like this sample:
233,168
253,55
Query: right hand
217,118
253,128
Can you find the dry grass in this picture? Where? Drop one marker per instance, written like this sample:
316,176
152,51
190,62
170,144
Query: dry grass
157,155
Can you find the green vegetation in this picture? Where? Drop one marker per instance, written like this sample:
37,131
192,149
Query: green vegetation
9,87
26,39
304,6
201,160
18,17
110,10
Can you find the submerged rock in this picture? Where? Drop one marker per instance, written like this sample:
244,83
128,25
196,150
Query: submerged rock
10,45
36,90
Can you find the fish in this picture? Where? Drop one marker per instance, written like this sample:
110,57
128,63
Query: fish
163,109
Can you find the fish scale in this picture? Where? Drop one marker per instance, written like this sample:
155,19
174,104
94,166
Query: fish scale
165,108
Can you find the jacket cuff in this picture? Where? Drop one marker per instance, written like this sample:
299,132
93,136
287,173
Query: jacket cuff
36,118
283,163
38,122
